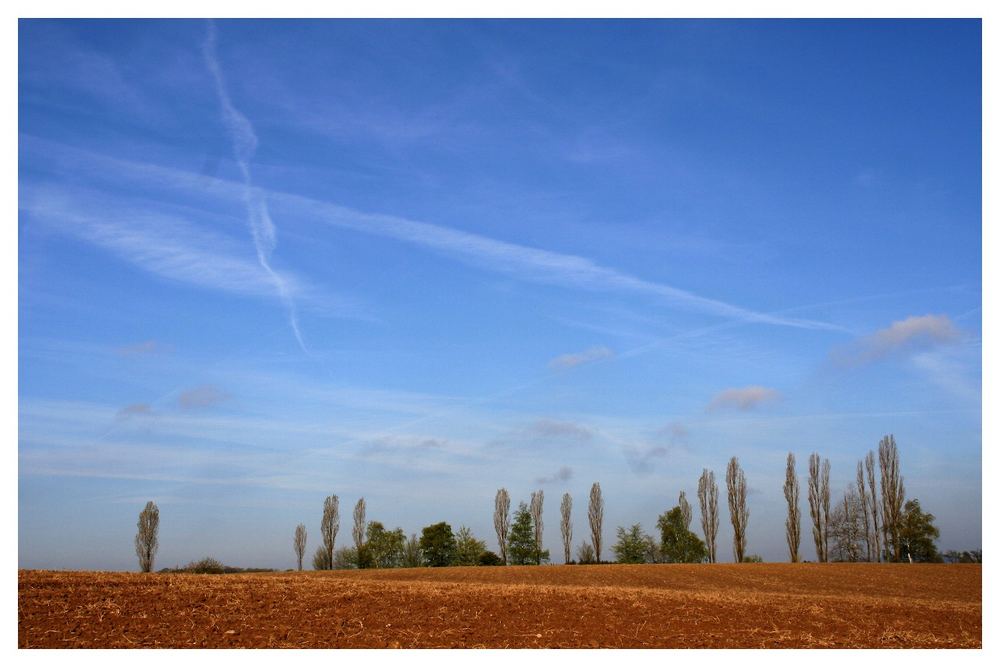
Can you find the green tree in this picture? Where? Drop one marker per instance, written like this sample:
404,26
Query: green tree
522,549
385,548
467,548
437,543
677,543
917,534
631,545
489,558
344,558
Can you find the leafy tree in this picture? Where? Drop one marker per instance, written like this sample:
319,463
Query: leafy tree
917,534
383,548
489,558
146,540
677,543
631,545
522,549
468,549
437,543
753,558
345,558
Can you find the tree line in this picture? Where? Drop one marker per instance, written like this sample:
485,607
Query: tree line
872,522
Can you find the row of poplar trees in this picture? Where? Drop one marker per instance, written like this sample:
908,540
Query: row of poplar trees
867,524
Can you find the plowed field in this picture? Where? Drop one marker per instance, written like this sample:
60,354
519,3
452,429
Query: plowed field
761,605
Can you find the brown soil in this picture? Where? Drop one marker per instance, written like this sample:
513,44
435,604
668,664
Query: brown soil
762,605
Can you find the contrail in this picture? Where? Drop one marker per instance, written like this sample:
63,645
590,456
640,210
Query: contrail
244,146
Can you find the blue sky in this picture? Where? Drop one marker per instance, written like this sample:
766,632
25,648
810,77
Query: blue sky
263,262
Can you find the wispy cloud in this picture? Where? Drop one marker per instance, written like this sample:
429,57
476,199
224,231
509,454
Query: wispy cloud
743,398
910,334
244,141
551,428
564,474
164,245
203,396
482,252
574,359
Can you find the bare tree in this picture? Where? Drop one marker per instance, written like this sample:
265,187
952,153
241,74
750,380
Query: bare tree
847,529
566,525
892,495
685,506
708,499
875,539
793,524
865,512
537,500
146,539
819,504
501,521
595,513
736,486
359,526
300,543
329,527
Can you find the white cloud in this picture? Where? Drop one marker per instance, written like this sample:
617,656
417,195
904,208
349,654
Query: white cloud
564,361
913,333
743,398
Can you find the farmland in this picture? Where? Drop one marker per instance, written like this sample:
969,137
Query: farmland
668,606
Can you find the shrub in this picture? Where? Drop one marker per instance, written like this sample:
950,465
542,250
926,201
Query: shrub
490,558
585,554
206,566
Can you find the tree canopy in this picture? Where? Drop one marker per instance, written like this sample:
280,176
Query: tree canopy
437,543
677,543
631,545
522,548
917,534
